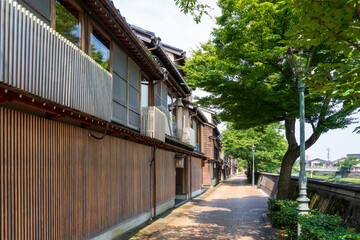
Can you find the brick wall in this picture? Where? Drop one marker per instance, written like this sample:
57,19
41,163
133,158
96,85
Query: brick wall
208,143
209,152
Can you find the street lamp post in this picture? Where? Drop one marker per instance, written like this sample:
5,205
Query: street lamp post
299,61
253,165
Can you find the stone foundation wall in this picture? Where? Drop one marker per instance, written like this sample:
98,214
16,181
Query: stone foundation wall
335,198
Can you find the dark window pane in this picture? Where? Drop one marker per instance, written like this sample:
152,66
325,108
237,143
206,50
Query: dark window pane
100,49
120,89
157,89
119,113
134,75
134,119
164,104
119,62
134,102
67,22
157,100
164,94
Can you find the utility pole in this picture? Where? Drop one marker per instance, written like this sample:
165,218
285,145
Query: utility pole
328,156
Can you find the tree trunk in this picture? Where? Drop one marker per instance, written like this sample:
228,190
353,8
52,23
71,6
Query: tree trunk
288,160
290,157
249,171
285,173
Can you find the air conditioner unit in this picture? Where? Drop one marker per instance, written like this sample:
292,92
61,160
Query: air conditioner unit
153,123
169,123
188,136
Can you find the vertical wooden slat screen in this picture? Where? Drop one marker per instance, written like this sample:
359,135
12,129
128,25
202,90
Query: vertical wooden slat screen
37,59
165,176
196,174
58,183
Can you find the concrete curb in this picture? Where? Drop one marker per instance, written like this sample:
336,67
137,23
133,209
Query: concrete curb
269,227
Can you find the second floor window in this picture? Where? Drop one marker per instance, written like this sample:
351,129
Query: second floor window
100,48
68,21
161,95
144,93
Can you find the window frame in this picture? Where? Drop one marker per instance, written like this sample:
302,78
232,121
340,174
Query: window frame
81,21
92,25
129,107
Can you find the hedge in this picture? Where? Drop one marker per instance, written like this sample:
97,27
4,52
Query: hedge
314,226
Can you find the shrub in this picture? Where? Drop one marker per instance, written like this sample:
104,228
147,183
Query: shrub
284,215
317,225
314,226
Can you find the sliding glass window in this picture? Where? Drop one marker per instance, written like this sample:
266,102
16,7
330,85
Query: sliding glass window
100,47
68,21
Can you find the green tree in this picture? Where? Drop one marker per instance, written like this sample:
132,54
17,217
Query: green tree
244,68
335,24
67,24
347,164
194,7
269,142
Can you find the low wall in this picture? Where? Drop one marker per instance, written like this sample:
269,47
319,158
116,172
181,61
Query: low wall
335,198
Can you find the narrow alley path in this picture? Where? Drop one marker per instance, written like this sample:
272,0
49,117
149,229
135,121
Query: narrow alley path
233,210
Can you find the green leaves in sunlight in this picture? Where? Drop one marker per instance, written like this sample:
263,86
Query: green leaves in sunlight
269,142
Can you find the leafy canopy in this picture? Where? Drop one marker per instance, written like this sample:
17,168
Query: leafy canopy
245,69
194,7
269,142
336,25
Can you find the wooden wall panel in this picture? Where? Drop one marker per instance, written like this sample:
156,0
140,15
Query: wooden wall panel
165,176
59,183
196,174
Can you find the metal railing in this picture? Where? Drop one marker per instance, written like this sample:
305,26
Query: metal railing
37,59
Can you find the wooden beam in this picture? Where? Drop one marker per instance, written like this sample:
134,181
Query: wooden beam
54,116
87,126
4,100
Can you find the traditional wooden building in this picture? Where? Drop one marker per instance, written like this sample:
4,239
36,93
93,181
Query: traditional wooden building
212,145
87,142
183,118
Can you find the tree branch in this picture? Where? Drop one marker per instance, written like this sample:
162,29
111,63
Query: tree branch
312,124
311,140
357,9
275,66
335,3
332,31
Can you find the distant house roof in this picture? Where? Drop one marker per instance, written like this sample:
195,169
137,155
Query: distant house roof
317,159
353,155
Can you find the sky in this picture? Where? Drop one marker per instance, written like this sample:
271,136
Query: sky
179,30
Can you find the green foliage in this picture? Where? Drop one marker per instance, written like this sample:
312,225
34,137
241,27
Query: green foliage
335,27
347,164
283,214
269,142
98,56
67,24
194,7
244,68
315,225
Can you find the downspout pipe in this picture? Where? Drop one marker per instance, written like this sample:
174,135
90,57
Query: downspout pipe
153,164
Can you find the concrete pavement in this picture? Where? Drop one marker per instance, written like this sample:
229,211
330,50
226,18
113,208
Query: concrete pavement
232,210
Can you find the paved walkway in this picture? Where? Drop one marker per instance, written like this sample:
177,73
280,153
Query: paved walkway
232,210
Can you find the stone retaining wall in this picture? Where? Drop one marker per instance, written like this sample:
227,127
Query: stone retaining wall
336,198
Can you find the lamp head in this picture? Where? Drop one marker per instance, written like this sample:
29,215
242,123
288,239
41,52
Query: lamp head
299,59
